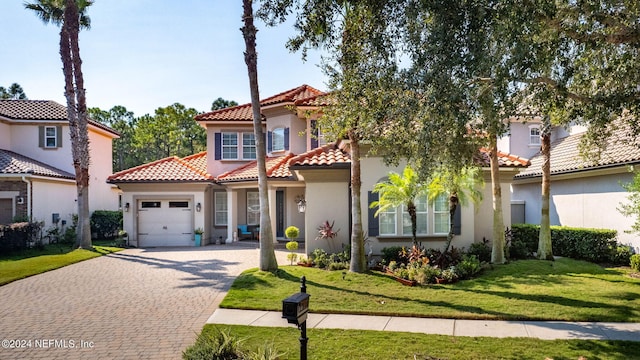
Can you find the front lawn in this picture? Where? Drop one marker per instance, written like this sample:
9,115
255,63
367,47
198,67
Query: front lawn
567,290
371,345
36,261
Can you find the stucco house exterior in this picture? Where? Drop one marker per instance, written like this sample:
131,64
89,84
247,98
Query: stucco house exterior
166,200
584,193
37,178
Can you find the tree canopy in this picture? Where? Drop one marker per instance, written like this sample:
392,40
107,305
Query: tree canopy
14,91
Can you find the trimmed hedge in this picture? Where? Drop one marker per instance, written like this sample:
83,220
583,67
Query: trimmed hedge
18,236
594,245
106,224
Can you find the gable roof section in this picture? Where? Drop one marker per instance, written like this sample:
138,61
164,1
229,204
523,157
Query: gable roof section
277,168
170,169
14,163
41,110
328,155
243,112
565,156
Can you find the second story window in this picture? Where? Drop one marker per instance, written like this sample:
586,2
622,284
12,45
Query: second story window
229,146
249,146
534,135
277,143
50,137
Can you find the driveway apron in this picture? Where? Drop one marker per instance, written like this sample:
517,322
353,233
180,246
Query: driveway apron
134,304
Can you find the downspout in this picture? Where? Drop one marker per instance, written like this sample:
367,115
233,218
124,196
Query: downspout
24,179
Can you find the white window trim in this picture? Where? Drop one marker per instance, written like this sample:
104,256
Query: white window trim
250,211
446,212
273,139
532,137
54,137
220,196
395,218
254,146
223,146
431,222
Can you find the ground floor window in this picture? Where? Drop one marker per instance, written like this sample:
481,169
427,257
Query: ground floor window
221,208
253,208
436,214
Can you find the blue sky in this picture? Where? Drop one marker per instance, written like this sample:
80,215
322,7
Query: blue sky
145,54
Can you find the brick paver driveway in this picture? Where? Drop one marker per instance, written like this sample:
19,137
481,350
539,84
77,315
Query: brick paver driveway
135,304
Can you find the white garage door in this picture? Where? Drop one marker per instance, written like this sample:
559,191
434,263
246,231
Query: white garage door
165,223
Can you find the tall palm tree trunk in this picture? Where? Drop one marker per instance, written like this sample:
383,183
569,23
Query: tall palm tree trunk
411,209
545,251
497,250
268,261
358,257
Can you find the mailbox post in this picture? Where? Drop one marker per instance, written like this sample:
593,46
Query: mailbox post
295,309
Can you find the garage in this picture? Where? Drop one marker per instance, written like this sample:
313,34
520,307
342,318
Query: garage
165,222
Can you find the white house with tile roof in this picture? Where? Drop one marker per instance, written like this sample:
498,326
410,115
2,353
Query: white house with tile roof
167,199
584,193
36,168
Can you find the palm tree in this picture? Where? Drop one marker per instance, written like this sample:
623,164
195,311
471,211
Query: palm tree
461,186
268,261
545,251
70,15
401,190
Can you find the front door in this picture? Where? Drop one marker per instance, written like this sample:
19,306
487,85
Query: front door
279,214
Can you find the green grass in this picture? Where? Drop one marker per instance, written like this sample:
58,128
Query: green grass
36,261
566,289
371,345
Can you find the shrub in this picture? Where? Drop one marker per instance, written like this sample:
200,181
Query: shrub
291,232
320,258
292,245
391,253
292,257
635,262
339,265
481,250
427,275
528,234
518,249
621,255
221,345
468,267
105,223
18,236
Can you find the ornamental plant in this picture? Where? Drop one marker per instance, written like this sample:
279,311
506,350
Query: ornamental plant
325,231
292,232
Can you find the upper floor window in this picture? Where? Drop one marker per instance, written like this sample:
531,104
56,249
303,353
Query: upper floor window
534,135
321,139
229,146
50,137
277,140
249,151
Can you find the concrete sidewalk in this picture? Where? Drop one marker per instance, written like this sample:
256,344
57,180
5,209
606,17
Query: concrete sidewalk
546,330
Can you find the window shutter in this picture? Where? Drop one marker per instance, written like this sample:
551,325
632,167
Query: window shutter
314,134
217,138
58,136
286,138
269,141
457,220
374,226
41,136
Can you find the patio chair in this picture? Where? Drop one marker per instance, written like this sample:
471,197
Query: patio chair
244,232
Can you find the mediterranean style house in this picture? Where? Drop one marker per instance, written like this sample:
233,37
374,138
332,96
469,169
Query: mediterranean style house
37,178
584,193
165,201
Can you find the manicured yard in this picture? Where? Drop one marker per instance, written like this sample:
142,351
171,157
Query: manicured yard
33,262
566,289
371,345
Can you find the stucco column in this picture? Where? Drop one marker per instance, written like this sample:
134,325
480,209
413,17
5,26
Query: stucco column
272,212
232,215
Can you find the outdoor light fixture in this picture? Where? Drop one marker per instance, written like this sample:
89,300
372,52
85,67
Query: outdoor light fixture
302,203
126,207
198,207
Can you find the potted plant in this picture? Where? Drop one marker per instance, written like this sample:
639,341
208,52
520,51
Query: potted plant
198,235
305,261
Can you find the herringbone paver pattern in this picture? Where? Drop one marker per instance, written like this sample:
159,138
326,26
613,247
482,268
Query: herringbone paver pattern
135,304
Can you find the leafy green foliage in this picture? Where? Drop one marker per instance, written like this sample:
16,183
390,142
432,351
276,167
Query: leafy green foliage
635,262
218,345
291,232
292,245
481,250
106,223
18,237
14,91
632,208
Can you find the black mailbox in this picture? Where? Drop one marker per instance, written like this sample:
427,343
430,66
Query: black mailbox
295,308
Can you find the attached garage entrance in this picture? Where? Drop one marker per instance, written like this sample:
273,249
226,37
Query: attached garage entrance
165,223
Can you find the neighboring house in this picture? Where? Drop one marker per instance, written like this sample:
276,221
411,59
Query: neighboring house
584,193
37,178
167,199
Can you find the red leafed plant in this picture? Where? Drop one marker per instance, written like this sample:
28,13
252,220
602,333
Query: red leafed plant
325,231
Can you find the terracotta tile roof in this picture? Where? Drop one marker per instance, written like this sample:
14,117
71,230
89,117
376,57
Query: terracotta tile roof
170,169
326,155
565,155
504,159
14,163
243,112
277,167
40,110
